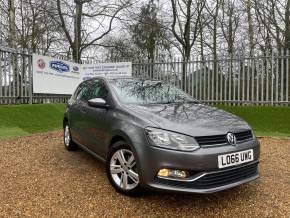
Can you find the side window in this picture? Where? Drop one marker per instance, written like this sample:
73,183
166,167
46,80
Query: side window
84,94
77,92
99,90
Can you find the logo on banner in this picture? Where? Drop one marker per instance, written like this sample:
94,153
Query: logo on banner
41,64
59,66
76,70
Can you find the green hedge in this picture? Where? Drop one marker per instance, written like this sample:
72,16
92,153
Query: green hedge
266,121
19,120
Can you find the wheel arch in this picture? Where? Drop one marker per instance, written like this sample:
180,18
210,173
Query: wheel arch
120,136
65,120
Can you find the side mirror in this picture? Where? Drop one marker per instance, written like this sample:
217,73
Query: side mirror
98,102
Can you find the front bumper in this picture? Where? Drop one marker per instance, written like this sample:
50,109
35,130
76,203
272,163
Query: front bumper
202,164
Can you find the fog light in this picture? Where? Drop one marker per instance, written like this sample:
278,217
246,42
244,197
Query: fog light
172,173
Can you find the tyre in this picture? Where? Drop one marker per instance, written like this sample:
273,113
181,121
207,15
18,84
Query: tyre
122,169
68,143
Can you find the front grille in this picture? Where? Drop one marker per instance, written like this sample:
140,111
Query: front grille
222,139
216,179
244,136
211,140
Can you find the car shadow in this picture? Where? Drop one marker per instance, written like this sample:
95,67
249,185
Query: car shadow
227,198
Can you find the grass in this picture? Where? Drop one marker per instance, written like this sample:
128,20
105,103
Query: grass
266,121
20,120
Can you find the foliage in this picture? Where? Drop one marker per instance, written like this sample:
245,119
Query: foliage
176,27
148,32
120,49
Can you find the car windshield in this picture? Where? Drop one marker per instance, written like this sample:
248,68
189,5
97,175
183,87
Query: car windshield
133,91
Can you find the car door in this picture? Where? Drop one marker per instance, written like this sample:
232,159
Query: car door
77,118
97,126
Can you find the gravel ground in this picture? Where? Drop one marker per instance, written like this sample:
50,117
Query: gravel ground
39,178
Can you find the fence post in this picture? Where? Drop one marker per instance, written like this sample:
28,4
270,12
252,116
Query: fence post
30,79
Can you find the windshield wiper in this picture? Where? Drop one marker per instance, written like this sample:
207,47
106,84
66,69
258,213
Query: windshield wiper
192,102
180,102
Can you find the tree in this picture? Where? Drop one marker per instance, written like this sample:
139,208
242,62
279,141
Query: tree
249,7
185,24
82,38
3,22
12,38
230,21
274,16
147,32
37,30
213,26
185,27
120,49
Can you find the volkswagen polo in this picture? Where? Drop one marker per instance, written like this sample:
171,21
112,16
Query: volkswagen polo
150,134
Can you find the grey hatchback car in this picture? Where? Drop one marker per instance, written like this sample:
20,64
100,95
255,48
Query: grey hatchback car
153,135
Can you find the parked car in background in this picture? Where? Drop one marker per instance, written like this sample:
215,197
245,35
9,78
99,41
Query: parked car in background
152,135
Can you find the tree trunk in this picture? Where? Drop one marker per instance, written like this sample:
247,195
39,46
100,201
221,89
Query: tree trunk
287,40
187,45
250,26
12,43
12,25
287,26
201,40
77,31
215,56
185,60
184,72
230,39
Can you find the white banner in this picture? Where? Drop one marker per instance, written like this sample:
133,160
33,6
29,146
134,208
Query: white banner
107,70
54,76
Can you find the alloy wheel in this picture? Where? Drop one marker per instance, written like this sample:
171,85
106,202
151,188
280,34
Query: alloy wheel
123,169
66,136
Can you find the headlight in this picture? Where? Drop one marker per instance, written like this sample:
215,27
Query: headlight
171,140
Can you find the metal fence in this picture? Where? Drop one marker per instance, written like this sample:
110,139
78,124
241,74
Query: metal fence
262,80
16,80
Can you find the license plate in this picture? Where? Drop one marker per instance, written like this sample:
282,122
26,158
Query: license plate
233,159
